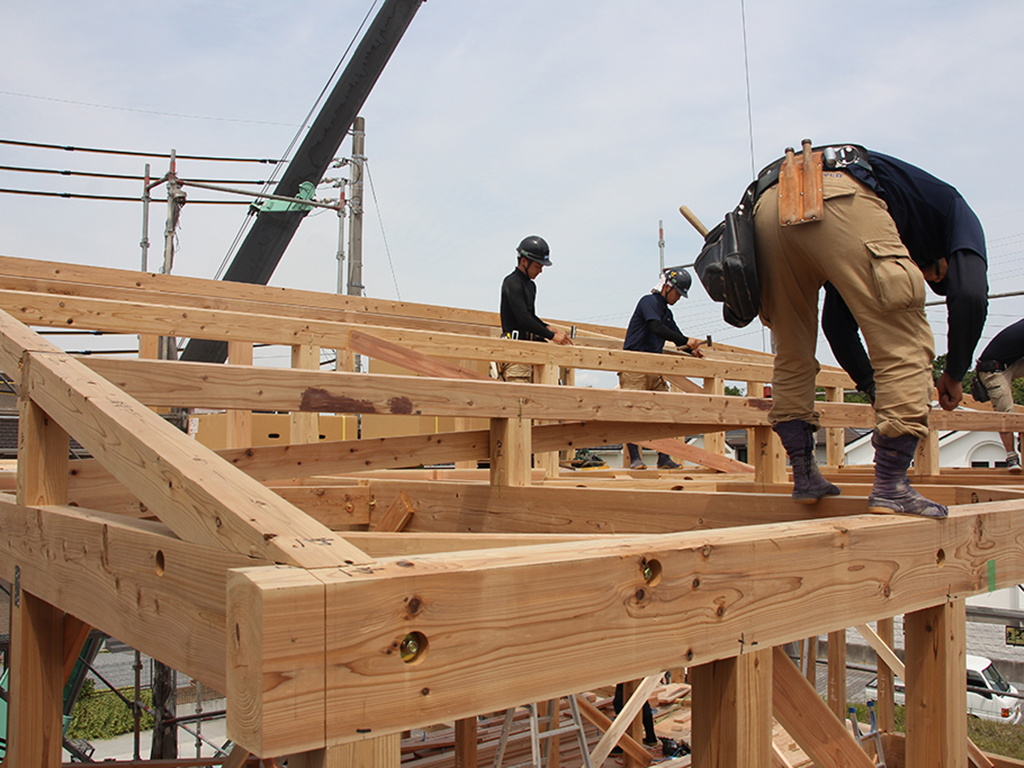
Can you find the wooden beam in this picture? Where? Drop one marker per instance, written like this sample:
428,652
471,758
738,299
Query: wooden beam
602,722
682,450
936,675
732,705
511,452
397,516
837,674
408,359
37,626
469,507
225,386
644,603
130,578
886,710
809,721
630,709
200,497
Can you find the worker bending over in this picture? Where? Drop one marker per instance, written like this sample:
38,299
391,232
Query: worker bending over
874,207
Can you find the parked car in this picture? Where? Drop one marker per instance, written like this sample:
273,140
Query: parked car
988,705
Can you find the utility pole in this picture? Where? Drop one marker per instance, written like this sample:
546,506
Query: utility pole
144,242
661,243
355,227
175,202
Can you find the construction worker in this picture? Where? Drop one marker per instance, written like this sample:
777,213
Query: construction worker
518,318
945,239
877,211
649,328
1000,363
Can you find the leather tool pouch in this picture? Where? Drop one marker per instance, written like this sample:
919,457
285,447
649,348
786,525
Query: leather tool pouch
800,194
726,265
978,390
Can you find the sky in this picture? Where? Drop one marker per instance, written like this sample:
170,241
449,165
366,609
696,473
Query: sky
586,122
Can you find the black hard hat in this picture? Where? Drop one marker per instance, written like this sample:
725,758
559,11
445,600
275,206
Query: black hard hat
679,278
535,249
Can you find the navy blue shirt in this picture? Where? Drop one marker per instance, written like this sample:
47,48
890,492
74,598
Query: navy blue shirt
1007,347
652,325
934,222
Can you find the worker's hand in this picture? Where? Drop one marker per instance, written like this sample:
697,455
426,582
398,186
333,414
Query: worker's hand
561,337
694,346
950,392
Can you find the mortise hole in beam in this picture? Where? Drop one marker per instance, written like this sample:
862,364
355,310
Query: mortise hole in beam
413,648
160,565
940,557
651,570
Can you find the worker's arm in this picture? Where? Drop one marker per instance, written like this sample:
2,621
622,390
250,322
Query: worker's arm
967,306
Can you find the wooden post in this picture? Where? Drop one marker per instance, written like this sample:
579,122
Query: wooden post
466,743
837,673
811,670
547,374
732,712
767,456
305,427
926,460
511,446
835,443
936,683
37,628
636,726
715,441
886,709
381,752
754,389
239,422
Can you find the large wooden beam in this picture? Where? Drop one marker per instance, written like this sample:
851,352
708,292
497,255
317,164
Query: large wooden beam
199,496
159,382
595,612
135,317
468,507
809,721
130,578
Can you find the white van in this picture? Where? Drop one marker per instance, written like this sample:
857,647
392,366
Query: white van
981,673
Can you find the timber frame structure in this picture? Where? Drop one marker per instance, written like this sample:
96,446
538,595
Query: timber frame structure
337,601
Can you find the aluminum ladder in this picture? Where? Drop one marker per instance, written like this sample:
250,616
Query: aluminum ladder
573,725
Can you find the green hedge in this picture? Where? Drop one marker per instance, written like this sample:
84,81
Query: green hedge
102,715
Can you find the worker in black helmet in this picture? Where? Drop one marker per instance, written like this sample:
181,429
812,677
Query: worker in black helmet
518,318
649,328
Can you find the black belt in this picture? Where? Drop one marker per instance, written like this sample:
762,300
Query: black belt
833,157
990,366
522,336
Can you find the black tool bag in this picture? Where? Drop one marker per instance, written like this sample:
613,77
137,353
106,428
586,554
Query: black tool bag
726,265
978,389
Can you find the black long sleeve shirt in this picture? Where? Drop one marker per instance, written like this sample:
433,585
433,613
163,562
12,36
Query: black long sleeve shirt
518,296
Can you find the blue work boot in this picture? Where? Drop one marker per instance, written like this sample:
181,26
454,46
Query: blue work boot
892,491
808,484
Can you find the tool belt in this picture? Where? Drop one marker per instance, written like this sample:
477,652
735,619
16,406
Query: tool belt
522,336
990,366
834,157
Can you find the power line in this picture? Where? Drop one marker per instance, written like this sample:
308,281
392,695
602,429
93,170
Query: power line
122,176
115,198
131,153
143,111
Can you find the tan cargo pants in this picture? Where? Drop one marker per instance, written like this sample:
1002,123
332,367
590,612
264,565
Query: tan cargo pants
857,248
